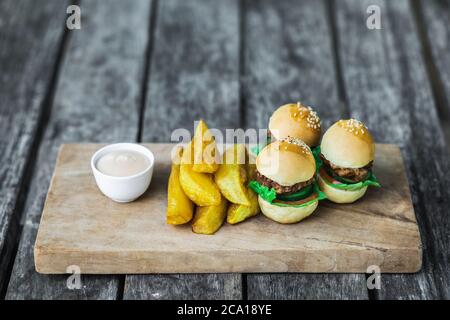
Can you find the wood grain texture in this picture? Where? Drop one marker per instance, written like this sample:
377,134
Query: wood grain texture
294,61
326,286
387,87
194,68
194,73
137,239
188,286
97,99
30,37
435,18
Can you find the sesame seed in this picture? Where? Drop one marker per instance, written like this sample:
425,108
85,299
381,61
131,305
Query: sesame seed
353,126
298,142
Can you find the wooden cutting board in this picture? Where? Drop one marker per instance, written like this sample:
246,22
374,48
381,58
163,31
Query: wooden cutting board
81,227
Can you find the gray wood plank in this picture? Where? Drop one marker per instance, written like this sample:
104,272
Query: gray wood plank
387,87
183,286
30,38
194,74
446,128
434,20
288,56
97,100
434,16
307,286
195,67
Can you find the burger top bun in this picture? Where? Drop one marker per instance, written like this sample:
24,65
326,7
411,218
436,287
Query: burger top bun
297,121
287,162
348,144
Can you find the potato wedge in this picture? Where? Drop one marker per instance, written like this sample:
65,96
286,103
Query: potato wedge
232,176
180,209
199,187
205,150
237,212
208,220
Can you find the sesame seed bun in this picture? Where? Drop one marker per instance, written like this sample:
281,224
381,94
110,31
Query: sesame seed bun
286,214
338,195
286,162
297,121
348,144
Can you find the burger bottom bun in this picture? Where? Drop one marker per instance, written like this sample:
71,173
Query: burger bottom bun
286,214
340,196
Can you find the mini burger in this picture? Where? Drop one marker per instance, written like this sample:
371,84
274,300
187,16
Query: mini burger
296,121
346,155
285,181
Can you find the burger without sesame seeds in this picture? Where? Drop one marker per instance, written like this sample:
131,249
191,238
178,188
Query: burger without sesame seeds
285,181
346,157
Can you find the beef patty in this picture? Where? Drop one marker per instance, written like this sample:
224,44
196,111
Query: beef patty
352,174
278,187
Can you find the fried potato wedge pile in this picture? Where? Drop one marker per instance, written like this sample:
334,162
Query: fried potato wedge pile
207,188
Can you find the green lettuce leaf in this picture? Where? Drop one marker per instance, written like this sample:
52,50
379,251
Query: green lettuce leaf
320,195
370,181
267,194
270,194
316,153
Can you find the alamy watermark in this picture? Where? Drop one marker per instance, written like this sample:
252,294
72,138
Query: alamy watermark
373,21
74,280
374,280
250,137
73,21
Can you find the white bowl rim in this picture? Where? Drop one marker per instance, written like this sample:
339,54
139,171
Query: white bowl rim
124,146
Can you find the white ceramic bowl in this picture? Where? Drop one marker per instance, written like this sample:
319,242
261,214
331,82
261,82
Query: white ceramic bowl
123,189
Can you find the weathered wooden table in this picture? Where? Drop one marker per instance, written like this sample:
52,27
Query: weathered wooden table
138,69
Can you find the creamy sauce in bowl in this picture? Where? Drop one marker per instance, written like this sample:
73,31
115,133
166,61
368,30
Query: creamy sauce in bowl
122,163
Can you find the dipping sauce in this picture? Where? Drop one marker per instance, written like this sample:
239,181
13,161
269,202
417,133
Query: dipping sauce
122,163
